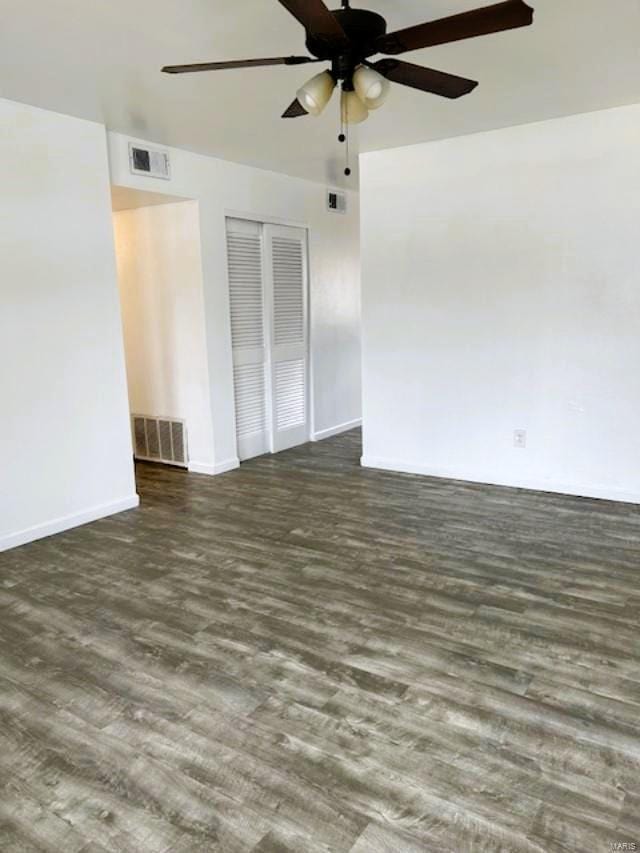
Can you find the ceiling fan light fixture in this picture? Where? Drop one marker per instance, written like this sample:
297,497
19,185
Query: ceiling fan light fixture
372,88
316,93
352,108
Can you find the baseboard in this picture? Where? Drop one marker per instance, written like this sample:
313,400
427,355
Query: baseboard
336,430
605,493
59,525
214,470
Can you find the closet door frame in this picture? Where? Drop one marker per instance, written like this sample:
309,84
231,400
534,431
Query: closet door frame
232,213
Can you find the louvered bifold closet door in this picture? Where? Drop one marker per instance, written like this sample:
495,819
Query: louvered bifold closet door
246,299
286,278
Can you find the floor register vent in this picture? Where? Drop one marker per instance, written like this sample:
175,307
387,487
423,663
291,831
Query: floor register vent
159,440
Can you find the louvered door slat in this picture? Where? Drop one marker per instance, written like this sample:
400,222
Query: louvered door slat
246,301
244,259
287,271
288,290
250,400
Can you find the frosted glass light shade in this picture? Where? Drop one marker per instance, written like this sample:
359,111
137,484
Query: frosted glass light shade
353,110
372,88
316,93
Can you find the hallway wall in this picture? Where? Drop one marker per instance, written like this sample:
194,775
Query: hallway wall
160,278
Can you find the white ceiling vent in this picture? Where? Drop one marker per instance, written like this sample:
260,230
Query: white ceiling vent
159,440
336,201
150,162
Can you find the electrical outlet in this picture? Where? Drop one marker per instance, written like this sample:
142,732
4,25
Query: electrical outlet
520,438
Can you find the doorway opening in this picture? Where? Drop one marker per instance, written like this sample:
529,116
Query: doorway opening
158,254
269,305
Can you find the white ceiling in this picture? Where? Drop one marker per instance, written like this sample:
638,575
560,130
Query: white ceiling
100,60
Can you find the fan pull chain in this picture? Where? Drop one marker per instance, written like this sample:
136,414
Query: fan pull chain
344,137
347,170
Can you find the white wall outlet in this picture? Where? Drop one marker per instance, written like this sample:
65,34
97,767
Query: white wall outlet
520,438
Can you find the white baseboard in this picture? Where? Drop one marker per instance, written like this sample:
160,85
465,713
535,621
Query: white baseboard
336,430
58,525
606,493
214,470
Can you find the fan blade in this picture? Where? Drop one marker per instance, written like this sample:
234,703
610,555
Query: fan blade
237,63
426,79
480,22
316,18
295,110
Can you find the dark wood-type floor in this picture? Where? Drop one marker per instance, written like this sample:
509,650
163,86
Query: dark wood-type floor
306,656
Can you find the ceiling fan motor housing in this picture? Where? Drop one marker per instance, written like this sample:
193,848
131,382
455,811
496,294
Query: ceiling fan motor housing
362,28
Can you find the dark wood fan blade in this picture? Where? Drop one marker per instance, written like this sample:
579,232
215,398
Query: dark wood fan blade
317,19
295,110
480,22
237,63
425,79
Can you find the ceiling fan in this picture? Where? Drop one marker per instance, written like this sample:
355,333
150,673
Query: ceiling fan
347,37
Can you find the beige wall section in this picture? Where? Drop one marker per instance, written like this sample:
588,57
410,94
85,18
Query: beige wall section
160,276
65,445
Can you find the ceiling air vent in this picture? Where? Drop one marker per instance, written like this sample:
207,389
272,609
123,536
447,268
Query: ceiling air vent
150,162
159,440
336,202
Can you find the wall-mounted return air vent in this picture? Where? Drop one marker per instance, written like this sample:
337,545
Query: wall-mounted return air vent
336,202
150,162
160,440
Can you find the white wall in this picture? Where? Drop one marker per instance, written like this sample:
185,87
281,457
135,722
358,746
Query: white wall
224,188
65,449
500,292
160,276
